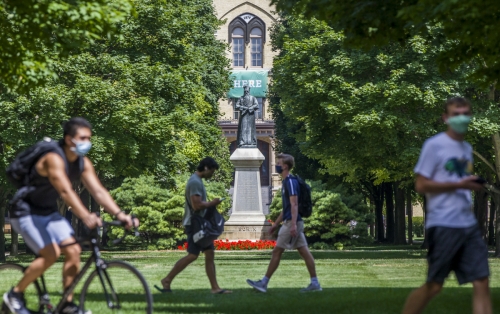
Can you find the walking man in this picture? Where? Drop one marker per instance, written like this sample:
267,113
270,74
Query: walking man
35,215
291,234
455,243
196,204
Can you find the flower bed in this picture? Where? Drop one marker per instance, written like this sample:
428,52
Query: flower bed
227,245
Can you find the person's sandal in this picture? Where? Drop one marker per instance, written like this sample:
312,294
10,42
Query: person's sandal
162,290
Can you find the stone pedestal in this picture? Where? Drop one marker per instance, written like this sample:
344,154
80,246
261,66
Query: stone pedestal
247,221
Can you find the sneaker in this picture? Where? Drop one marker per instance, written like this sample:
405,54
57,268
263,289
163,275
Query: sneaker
72,308
312,287
15,302
258,285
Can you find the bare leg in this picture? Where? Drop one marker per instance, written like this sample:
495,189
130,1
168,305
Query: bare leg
71,263
275,261
48,256
309,259
481,299
178,267
419,298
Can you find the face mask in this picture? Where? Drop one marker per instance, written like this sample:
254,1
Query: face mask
81,148
459,123
279,169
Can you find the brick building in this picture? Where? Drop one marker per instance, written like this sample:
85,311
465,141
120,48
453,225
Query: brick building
246,30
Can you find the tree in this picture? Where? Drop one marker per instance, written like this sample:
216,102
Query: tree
151,95
364,115
36,34
471,26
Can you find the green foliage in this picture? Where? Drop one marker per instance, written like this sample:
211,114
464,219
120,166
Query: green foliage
364,114
418,226
37,33
151,96
471,27
332,215
160,210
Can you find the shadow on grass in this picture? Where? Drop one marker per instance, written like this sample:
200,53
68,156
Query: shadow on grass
331,300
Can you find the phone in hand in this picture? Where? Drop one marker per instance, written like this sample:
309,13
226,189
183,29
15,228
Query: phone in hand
480,180
221,199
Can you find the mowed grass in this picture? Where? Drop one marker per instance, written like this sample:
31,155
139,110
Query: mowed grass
364,281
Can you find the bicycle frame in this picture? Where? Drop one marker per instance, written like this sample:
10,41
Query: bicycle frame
96,259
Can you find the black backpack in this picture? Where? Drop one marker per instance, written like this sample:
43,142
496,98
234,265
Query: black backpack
18,172
207,229
305,201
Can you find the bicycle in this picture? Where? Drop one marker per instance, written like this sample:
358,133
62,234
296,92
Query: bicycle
97,288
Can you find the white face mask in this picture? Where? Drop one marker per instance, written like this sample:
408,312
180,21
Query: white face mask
81,148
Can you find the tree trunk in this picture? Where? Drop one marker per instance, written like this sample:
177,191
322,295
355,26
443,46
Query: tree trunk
2,234
389,208
481,211
409,212
400,232
378,196
372,223
491,223
14,242
425,245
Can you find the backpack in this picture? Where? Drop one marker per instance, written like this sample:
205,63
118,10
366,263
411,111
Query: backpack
207,229
18,172
305,201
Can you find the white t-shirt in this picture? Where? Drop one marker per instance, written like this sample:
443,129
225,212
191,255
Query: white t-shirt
444,159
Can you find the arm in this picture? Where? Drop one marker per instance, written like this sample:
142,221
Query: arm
425,185
276,223
294,202
101,195
198,204
54,167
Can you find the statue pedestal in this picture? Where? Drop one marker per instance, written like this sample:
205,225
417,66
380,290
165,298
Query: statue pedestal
247,221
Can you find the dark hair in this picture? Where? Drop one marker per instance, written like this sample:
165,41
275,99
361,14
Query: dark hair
287,160
457,101
207,162
72,125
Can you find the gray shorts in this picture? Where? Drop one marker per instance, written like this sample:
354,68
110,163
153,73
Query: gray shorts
40,231
285,239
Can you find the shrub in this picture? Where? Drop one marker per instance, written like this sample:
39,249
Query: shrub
320,246
333,212
159,210
339,246
418,226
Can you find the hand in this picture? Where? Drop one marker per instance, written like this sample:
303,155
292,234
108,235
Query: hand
271,230
92,221
216,201
127,220
469,184
293,230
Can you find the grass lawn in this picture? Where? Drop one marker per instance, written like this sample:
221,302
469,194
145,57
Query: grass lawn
361,281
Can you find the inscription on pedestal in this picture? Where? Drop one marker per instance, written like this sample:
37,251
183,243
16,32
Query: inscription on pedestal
253,229
247,198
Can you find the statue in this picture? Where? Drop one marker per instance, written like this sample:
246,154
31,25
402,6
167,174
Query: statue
247,105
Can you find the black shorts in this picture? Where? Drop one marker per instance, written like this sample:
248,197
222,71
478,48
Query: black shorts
461,250
193,248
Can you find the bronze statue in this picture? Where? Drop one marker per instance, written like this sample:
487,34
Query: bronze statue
247,105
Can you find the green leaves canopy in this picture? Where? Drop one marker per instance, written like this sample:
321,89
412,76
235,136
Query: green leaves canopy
471,25
37,33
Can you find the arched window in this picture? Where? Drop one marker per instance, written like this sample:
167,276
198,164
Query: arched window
256,47
238,47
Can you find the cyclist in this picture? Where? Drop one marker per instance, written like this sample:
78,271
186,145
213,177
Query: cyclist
36,215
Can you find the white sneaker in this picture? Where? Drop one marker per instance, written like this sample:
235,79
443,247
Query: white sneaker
15,302
258,285
312,287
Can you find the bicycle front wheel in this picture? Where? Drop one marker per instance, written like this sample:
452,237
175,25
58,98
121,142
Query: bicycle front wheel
118,289
10,274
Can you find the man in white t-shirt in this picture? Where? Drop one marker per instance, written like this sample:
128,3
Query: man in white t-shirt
455,244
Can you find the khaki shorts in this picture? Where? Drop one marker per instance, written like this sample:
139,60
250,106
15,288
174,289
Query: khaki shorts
285,239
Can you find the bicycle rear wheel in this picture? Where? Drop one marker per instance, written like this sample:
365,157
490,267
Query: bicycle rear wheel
122,290
10,274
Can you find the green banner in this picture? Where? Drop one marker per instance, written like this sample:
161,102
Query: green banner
256,80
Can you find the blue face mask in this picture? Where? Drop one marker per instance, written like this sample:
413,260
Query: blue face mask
459,124
81,148
279,169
